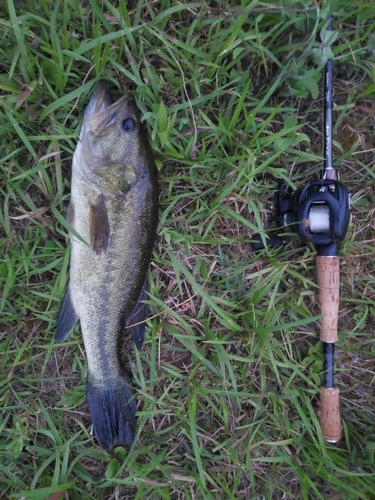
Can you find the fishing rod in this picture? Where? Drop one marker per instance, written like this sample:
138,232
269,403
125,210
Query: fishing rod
320,212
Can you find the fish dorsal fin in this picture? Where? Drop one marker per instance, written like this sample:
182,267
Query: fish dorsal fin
99,225
66,319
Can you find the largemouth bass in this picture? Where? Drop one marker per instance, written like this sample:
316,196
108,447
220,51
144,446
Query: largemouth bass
114,209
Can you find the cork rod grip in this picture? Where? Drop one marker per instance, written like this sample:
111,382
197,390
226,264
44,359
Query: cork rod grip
329,414
328,276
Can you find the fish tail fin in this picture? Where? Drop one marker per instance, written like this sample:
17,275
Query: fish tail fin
112,408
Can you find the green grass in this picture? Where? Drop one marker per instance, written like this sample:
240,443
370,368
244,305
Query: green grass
229,375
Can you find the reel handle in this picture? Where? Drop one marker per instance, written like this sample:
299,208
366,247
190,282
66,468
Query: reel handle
273,241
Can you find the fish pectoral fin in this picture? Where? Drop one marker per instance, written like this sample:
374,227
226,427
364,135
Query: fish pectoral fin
99,225
66,320
136,320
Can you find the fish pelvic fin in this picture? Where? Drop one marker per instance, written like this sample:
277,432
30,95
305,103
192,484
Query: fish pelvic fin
112,408
136,320
70,213
66,319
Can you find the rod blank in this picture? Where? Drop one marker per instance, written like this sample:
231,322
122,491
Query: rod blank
328,106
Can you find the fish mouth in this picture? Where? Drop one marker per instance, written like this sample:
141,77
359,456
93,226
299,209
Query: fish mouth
101,98
101,112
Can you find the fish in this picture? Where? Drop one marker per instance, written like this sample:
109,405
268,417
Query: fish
114,211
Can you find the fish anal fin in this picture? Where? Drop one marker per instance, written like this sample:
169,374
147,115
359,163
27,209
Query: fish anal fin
136,320
99,225
66,319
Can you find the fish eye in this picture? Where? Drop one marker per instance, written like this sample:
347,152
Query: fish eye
128,125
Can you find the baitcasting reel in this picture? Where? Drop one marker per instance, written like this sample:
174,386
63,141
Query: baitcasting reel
319,213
